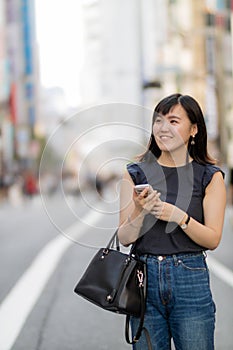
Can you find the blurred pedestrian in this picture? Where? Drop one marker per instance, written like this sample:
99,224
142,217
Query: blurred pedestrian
230,167
231,186
30,184
173,224
15,192
99,182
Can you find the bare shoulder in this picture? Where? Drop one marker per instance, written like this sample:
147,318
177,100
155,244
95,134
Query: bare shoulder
216,190
217,182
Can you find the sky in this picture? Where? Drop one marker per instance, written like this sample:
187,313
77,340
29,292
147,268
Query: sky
59,36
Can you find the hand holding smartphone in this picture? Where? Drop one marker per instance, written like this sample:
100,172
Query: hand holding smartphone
140,188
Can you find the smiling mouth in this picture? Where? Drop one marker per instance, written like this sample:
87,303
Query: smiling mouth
165,137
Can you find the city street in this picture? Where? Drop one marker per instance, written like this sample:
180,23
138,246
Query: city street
40,267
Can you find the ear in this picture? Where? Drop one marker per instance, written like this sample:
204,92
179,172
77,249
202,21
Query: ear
194,129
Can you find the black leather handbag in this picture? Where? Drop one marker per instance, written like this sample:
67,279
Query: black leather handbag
116,282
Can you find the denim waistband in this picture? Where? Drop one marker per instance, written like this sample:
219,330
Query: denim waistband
161,257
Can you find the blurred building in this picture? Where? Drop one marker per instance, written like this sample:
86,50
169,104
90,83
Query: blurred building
139,51
5,146
112,65
135,52
18,85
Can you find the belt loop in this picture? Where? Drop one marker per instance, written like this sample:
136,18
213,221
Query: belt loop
175,259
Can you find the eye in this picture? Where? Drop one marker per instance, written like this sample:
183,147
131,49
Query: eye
173,121
158,120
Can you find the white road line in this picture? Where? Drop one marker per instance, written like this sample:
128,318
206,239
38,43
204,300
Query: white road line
220,271
16,307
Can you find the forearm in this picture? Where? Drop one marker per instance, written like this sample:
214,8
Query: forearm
202,235
128,232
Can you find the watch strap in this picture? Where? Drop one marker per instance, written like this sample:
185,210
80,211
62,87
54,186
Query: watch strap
184,225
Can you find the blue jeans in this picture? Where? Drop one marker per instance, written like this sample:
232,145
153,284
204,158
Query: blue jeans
179,303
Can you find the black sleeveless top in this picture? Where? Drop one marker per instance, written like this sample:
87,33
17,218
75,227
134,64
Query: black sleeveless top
182,186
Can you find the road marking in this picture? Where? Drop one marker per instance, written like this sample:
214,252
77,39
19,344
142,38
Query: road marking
16,307
18,304
220,270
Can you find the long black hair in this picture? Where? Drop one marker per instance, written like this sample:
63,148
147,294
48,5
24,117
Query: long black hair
198,151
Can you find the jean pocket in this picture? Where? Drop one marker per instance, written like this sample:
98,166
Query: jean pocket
193,264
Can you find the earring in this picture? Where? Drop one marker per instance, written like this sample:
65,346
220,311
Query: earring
193,141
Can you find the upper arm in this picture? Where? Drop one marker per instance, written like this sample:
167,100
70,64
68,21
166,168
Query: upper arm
126,197
214,203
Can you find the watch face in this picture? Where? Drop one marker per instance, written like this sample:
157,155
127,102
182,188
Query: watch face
183,226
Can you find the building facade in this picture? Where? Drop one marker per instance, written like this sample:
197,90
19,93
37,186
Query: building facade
135,52
18,85
142,51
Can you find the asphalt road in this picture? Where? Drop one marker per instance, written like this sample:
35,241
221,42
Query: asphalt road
58,319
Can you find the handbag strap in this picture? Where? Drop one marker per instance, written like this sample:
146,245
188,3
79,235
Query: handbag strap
114,241
140,326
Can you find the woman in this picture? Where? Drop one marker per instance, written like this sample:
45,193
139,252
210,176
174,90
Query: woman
173,224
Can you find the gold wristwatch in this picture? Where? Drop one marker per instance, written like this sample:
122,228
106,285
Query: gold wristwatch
184,224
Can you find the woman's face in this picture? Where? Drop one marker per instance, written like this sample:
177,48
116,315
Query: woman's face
173,130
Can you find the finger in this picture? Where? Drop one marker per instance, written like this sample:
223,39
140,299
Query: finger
154,199
152,193
144,193
158,214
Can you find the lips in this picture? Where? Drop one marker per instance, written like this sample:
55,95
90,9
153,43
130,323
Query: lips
165,137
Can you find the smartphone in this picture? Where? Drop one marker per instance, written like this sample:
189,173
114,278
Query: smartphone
140,188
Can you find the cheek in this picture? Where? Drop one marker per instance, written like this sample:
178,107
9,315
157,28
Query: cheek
155,129
181,135
184,135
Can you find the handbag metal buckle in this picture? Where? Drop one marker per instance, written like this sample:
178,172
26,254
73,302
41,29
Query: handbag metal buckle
140,277
109,298
105,252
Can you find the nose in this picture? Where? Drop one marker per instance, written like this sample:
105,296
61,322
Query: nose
164,125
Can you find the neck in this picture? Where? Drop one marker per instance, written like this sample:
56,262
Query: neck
174,160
